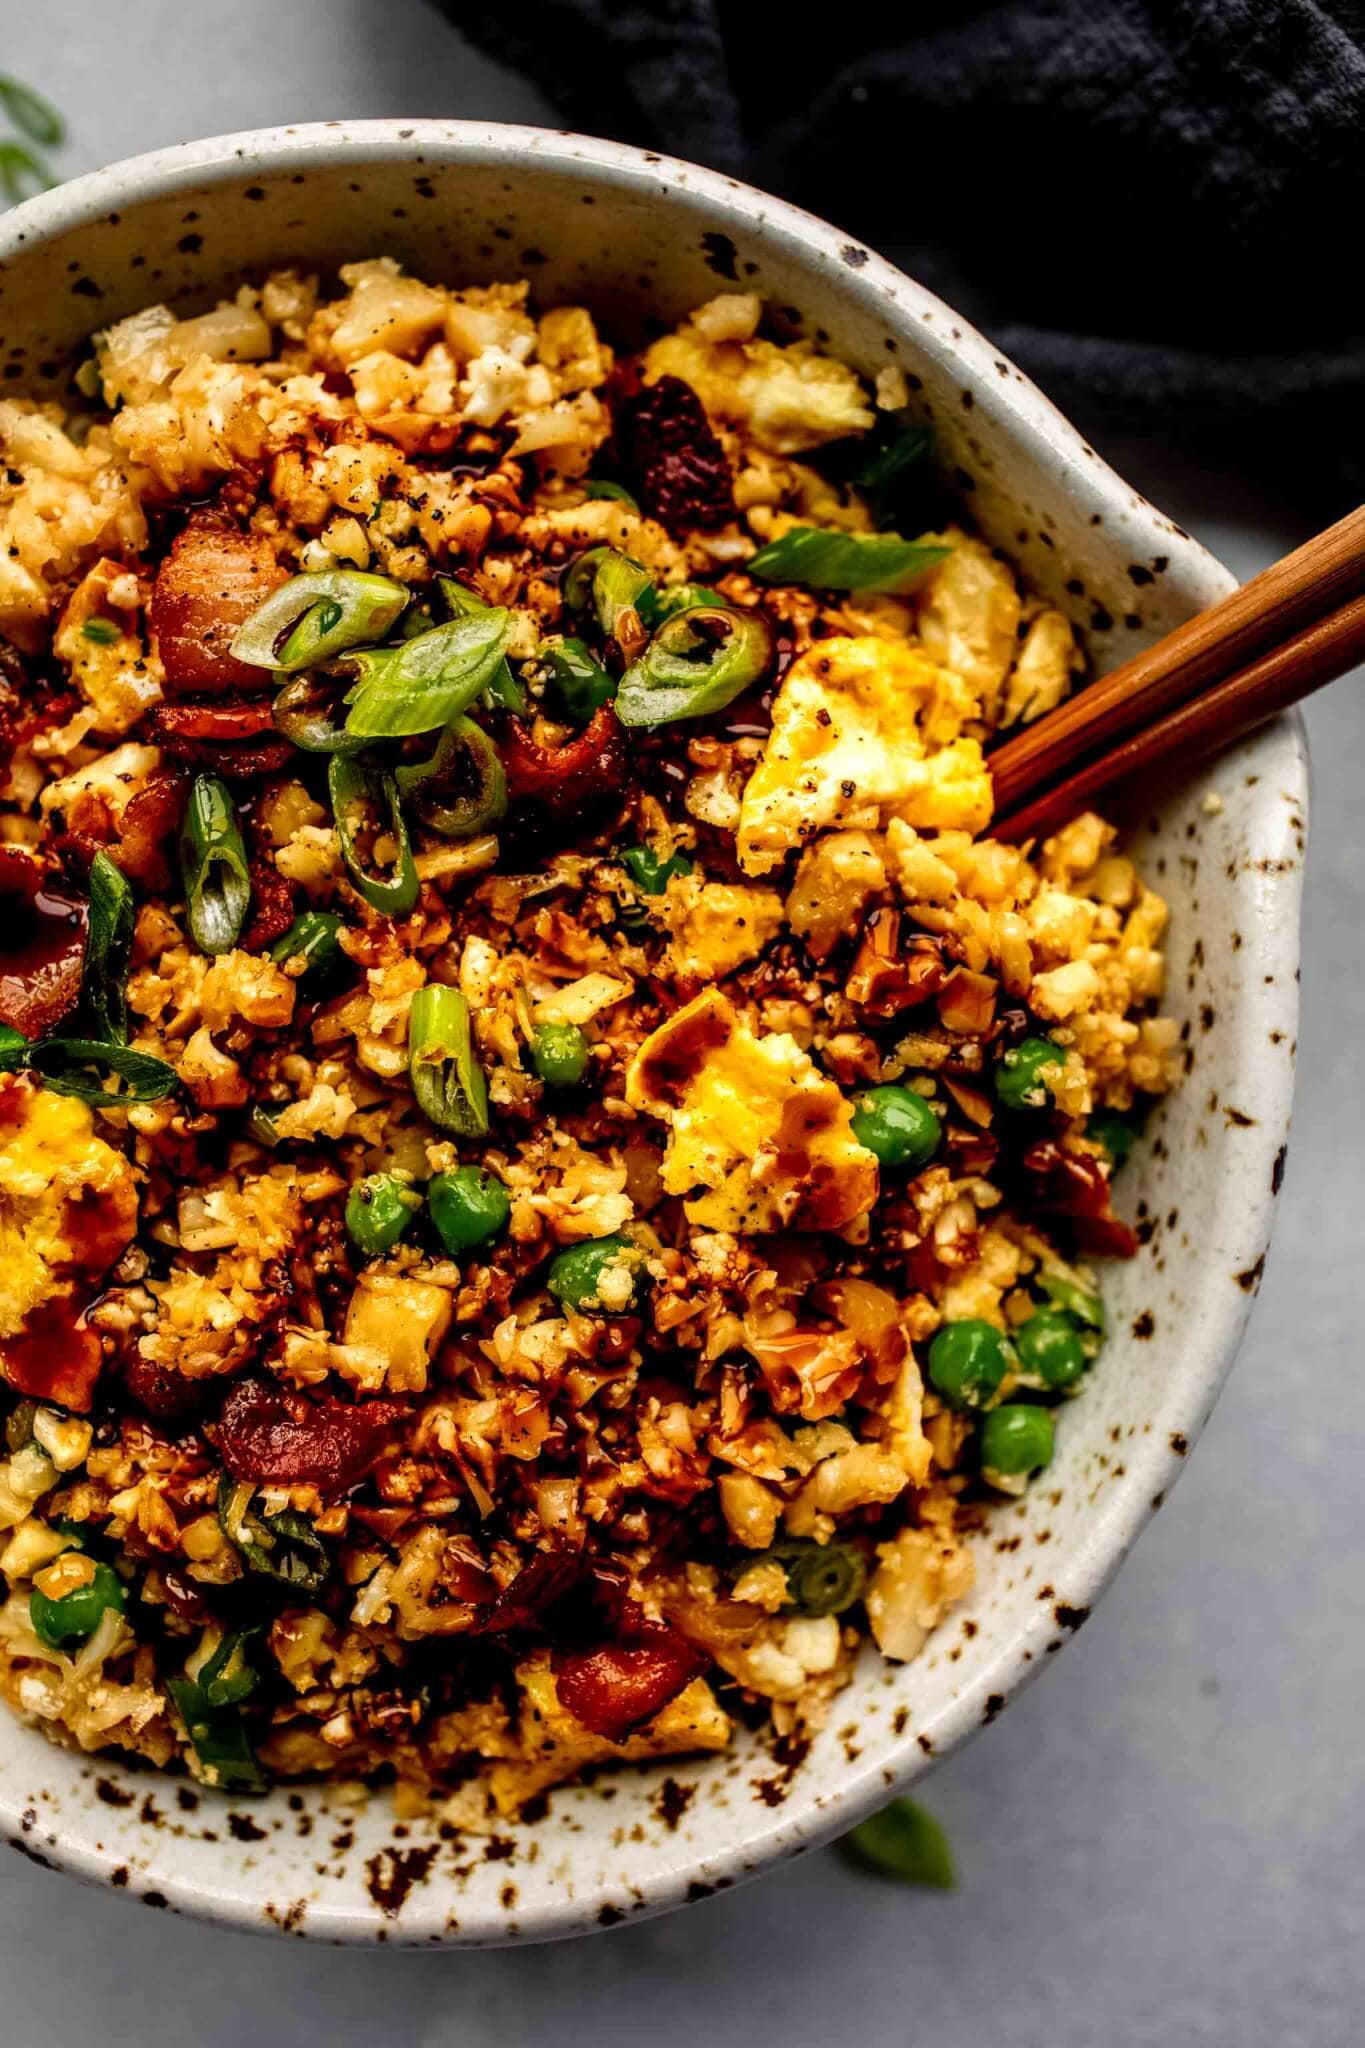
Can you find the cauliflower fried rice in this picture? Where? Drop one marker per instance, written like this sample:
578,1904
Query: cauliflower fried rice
547,1158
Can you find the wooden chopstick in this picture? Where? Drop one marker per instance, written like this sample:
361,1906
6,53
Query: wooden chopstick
1318,654
1263,615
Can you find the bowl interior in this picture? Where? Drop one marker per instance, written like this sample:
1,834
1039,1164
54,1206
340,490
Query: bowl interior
642,240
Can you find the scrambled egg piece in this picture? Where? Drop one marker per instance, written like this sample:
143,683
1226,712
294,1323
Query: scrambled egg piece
753,1123
967,613
115,674
555,1746
67,1200
717,926
864,730
790,399
68,1208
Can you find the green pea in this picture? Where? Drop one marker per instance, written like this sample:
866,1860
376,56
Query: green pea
1108,1128
648,872
76,1615
378,1211
577,1274
468,1207
560,1055
1019,1082
967,1362
1050,1349
898,1125
1016,1439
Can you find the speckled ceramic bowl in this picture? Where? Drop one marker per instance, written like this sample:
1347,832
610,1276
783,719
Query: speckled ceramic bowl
642,240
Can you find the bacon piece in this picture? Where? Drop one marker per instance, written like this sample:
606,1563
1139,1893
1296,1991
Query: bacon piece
237,740
273,901
161,1392
568,783
543,1581
56,1356
149,822
671,449
210,583
1075,1185
266,1434
614,1688
44,947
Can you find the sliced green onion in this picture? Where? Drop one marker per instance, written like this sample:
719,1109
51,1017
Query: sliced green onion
905,1842
213,863
822,1578
612,583
314,617
306,713
883,477
108,944
664,600
81,1067
103,632
219,1739
502,687
223,1675
359,791
14,1048
314,938
462,789
424,683
603,487
22,174
580,679
31,114
443,1065
650,874
698,662
284,1547
824,559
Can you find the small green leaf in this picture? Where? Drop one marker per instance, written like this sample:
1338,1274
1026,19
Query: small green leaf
31,114
904,1842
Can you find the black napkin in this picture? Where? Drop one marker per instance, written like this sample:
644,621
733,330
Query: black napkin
1154,208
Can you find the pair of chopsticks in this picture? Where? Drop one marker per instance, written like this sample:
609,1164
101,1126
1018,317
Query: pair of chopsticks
1296,626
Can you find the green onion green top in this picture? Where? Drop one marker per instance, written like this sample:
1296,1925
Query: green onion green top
422,684
214,866
825,559
108,944
698,662
443,1065
314,617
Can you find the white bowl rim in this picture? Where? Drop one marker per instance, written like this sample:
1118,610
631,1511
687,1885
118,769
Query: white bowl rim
1035,422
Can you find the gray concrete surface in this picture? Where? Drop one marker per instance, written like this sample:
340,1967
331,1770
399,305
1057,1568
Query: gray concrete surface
1162,1843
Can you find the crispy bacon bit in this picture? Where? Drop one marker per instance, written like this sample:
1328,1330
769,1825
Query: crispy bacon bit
887,979
1075,1185
273,900
44,946
614,1688
549,1577
671,451
237,740
266,1434
568,783
148,824
29,704
210,583
56,1356
161,1392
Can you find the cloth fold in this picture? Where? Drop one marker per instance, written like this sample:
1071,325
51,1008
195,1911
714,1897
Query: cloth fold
1152,205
